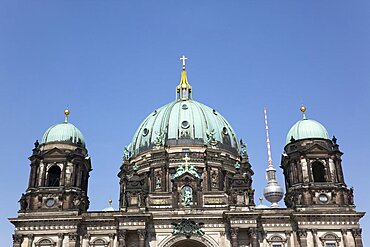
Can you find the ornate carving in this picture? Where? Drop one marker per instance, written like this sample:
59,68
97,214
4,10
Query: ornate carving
253,232
234,232
141,234
188,228
122,234
302,233
73,236
17,239
357,232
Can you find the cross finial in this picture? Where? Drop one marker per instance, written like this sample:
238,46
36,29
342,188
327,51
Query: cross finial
186,158
183,58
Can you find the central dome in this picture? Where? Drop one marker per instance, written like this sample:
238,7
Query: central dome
184,122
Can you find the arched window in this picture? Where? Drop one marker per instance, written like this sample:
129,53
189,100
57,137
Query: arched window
318,171
99,243
54,176
330,240
45,242
276,241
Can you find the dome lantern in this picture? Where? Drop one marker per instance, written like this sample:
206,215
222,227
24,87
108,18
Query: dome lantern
184,89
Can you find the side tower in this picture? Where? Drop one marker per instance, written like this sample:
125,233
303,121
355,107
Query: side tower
313,167
323,206
59,174
56,196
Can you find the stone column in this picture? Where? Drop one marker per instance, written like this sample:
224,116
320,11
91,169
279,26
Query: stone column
344,237
122,238
234,236
111,240
30,238
357,234
253,237
60,240
41,174
314,238
141,234
302,234
288,235
86,240
17,240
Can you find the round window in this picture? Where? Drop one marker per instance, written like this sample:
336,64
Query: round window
323,198
184,106
185,124
224,130
145,132
50,202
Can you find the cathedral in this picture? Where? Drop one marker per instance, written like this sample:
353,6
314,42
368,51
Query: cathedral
186,181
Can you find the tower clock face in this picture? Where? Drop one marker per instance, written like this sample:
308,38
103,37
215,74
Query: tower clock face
323,198
50,202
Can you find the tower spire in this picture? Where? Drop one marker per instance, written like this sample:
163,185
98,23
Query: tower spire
183,89
273,191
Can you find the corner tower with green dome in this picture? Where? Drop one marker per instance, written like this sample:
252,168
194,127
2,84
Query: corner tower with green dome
186,156
60,167
312,168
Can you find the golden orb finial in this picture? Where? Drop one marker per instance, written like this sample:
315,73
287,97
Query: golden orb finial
66,113
110,201
303,108
261,199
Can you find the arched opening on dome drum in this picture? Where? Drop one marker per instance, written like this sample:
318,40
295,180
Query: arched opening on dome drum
54,176
318,171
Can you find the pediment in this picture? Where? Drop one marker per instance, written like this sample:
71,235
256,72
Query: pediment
317,148
55,152
187,176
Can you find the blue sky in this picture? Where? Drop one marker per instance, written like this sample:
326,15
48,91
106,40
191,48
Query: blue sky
114,62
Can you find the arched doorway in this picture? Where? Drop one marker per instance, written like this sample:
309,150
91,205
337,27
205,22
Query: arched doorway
188,243
193,241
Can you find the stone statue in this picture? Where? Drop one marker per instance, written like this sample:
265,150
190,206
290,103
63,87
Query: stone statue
159,139
188,197
211,141
158,183
243,148
126,153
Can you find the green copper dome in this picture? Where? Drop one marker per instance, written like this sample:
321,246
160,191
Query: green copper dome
305,129
63,132
184,122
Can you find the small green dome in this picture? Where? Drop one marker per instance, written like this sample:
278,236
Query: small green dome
63,132
184,122
305,129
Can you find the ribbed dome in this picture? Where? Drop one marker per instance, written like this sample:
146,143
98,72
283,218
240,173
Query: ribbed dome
63,132
184,122
305,129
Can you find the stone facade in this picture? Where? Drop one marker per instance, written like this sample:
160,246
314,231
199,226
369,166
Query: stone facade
188,191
